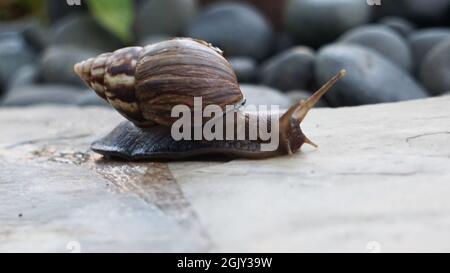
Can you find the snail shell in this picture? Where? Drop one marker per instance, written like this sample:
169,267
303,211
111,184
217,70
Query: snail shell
145,83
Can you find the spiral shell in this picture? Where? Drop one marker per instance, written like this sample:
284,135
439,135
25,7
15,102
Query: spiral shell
144,84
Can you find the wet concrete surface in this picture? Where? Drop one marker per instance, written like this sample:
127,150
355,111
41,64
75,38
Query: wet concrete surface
57,192
381,175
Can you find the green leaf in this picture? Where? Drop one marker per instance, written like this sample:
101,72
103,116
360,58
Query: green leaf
115,15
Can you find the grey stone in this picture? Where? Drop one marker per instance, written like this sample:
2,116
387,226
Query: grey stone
299,95
283,42
263,95
236,28
2,90
89,98
371,78
419,11
245,68
153,39
27,74
41,94
57,63
14,53
82,30
398,24
316,22
435,70
422,41
34,33
384,41
166,17
292,69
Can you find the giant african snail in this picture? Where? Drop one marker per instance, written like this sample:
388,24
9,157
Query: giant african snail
144,84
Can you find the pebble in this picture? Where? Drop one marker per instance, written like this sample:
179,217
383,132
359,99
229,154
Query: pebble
435,70
89,98
41,94
27,74
292,69
81,30
316,22
283,42
236,28
371,78
299,95
2,90
153,39
167,17
245,68
383,40
57,63
399,25
418,11
34,33
14,53
422,41
263,95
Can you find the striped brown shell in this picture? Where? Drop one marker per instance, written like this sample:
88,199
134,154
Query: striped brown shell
144,84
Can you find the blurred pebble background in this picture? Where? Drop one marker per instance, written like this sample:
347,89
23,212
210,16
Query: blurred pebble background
281,50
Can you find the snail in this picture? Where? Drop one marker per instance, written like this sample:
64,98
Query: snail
144,84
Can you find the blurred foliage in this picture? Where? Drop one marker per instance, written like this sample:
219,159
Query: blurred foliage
12,9
115,15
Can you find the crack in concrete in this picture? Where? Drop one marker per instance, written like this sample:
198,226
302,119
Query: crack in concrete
155,184
425,135
378,173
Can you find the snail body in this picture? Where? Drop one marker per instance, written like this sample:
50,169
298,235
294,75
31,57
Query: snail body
144,84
